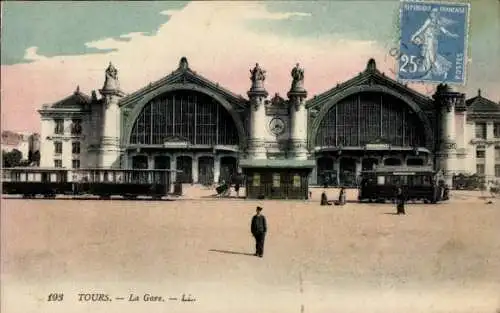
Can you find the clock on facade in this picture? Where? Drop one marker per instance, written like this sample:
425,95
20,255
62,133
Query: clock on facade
277,126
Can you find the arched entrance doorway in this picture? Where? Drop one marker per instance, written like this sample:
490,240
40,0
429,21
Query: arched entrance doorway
206,170
228,167
162,162
392,162
369,164
347,175
184,163
326,174
415,162
140,162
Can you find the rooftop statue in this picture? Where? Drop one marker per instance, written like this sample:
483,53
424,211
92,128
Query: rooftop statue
111,78
298,78
258,75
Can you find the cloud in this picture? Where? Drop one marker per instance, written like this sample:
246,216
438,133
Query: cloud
218,44
277,16
170,12
31,54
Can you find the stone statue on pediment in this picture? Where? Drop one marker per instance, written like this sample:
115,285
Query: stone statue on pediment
298,78
111,78
258,76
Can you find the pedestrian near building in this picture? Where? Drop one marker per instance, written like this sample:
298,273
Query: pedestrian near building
259,229
400,201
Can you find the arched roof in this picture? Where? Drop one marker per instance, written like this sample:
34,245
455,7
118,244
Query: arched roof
147,98
335,99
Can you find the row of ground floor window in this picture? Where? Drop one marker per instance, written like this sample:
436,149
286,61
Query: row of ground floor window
214,168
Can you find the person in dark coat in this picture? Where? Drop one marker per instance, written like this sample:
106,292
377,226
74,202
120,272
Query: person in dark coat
324,199
259,229
400,202
342,197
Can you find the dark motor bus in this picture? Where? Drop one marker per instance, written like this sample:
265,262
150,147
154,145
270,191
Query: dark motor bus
418,183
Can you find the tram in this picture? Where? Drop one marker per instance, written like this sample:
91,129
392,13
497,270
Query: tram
418,183
34,181
105,183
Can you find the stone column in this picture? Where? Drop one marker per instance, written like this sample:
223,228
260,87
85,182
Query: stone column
110,139
446,102
216,169
358,167
151,161
336,167
489,167
47,146
257,95
298,115
298,127
173,167
194,168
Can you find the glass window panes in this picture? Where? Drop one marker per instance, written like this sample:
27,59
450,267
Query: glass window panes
75,147
57,147
480,153
256,180
481,130
276,179
296,181
480,169
59,126
76,127
496,130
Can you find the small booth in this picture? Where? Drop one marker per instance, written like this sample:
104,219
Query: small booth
277,179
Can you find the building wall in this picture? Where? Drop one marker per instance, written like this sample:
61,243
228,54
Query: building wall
48,155
18,141
490,146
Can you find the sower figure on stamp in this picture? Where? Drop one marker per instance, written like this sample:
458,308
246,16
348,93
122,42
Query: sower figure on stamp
259,229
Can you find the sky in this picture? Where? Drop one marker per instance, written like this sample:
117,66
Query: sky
50,48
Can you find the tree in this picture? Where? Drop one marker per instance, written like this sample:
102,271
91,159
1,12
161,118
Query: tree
11,158
34,158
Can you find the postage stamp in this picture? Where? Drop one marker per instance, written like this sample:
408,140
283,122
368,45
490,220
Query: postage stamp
433,42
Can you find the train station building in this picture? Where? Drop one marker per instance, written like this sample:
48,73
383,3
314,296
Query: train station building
187,122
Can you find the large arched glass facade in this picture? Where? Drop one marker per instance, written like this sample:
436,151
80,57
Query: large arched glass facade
189,115
370,117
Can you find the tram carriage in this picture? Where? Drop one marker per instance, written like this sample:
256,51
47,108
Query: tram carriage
128,183
418,183
122,182
33,181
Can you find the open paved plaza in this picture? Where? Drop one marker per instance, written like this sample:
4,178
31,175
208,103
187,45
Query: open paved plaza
355,258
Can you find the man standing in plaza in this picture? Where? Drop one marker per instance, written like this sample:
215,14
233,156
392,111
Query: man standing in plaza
259,229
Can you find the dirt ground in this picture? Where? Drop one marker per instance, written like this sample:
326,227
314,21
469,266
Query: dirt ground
356,258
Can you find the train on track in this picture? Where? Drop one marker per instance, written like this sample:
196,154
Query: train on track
31,182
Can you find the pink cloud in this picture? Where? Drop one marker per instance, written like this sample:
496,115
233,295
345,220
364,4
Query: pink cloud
218,45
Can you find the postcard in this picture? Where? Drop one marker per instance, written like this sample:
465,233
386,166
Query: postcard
246,156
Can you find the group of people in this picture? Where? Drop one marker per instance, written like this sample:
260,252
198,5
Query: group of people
258,226
400,200
224,189
341,200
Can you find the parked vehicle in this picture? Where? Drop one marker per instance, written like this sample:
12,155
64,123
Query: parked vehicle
49,182
418,184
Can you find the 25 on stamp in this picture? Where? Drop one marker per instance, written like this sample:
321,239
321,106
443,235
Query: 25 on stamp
433,42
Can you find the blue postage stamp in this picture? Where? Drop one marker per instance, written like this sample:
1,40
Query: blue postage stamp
433,44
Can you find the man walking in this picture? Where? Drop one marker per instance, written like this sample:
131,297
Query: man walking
259,229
